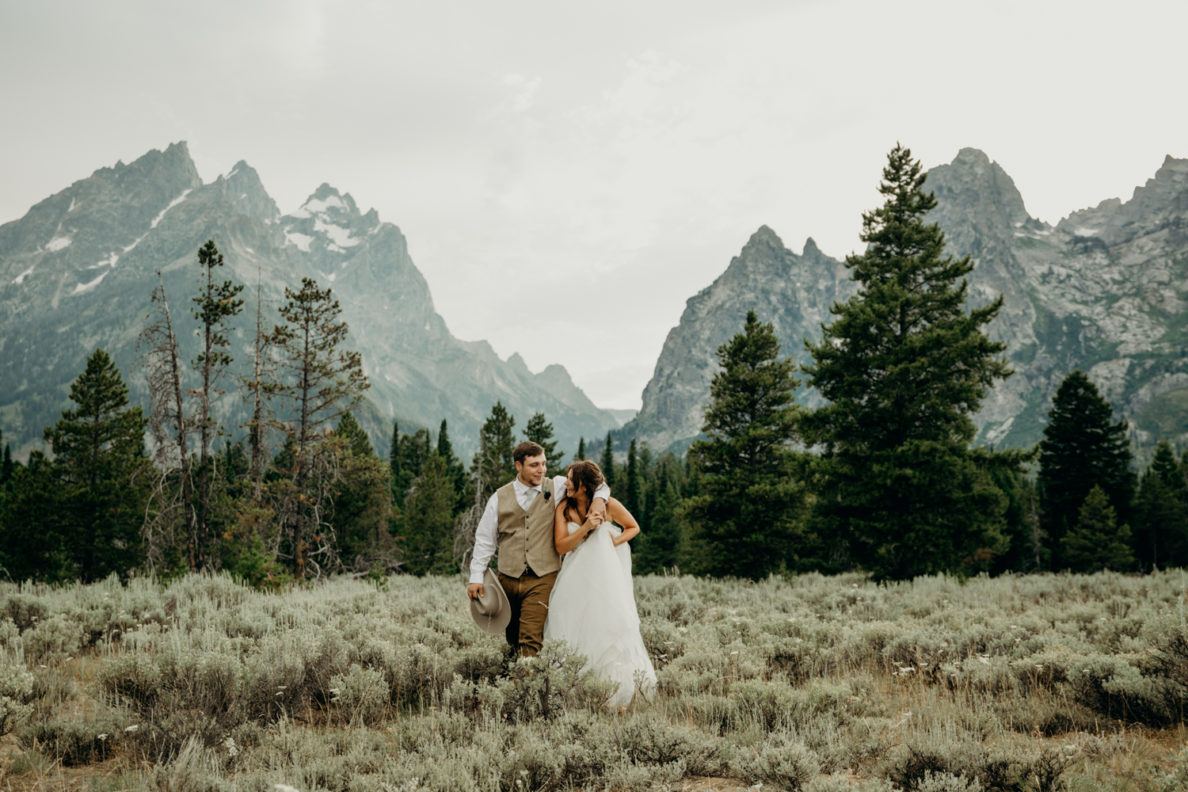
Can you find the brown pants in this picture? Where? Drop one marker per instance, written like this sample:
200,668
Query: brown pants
529,598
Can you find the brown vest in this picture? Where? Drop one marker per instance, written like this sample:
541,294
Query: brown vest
526,537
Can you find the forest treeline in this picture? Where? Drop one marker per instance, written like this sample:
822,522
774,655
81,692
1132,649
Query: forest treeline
883,478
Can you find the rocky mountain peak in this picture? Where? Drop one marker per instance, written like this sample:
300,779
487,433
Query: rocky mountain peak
247,193
329,220
975,186
1160,204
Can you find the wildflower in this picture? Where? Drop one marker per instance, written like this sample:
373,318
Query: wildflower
232,749
102,737
132,728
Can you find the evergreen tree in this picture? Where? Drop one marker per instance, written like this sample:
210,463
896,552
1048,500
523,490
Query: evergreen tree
318,380
1095,542
455,470
903,367
540,432
362,503
33,541
658,542
581,452
633,495
493,465
394,459
216,303
100,471
1161,513
749,511
1082,448
607,461
349,431
427,533
414,450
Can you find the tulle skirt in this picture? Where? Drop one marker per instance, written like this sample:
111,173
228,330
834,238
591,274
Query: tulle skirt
592,608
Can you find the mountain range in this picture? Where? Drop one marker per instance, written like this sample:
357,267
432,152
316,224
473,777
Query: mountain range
77,272
1104,291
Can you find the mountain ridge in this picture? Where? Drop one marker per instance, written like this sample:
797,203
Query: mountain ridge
77,269
1101,291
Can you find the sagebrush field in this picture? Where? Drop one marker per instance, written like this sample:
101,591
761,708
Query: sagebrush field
821,683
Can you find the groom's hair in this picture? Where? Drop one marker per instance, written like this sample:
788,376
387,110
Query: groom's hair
526,449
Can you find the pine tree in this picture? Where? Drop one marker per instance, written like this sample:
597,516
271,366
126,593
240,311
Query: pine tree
903,367
318,380
349,431
540,431
216,303
493,465
1096,542
362,502
658,543
633,494
455,470
581,452
1161,513
748,514
607,461
101,472
1082,448
427,535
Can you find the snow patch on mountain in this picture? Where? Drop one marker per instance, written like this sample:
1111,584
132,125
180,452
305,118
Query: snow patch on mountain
172,204
83,288
19,279
58,243
302,241
338,235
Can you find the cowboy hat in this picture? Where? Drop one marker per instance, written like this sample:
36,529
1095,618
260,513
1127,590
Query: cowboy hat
491,612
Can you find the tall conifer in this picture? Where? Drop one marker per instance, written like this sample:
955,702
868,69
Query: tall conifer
903,366
1083,447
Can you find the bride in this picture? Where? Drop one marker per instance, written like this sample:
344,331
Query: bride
592,607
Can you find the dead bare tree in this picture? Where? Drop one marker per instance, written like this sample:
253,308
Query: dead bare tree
170,431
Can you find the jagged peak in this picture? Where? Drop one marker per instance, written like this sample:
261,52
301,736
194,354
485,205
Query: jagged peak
810,248
327,199
763,239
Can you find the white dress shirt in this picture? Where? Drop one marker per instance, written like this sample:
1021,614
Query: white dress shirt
486,535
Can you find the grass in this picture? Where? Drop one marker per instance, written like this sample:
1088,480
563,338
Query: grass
1047,682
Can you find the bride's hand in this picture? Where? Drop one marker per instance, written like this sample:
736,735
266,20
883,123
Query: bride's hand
593,520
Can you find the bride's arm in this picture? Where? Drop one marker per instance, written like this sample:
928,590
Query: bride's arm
562,538
618,512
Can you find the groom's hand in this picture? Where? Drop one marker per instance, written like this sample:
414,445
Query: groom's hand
598,509
474,590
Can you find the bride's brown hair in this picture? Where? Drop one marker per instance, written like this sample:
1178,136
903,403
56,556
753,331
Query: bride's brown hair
586,476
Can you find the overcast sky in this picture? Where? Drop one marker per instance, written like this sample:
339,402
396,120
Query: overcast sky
578,171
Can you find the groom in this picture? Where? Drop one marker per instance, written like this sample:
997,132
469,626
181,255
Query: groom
519,520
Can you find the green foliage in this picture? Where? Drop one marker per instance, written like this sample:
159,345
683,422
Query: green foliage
213,307
903,367
493,465
1096,541
540,431
749,511
319,379
1082,448
1036,682
426,541
1161,513
607,461
92,495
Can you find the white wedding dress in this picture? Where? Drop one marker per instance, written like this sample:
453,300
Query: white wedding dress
592,608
